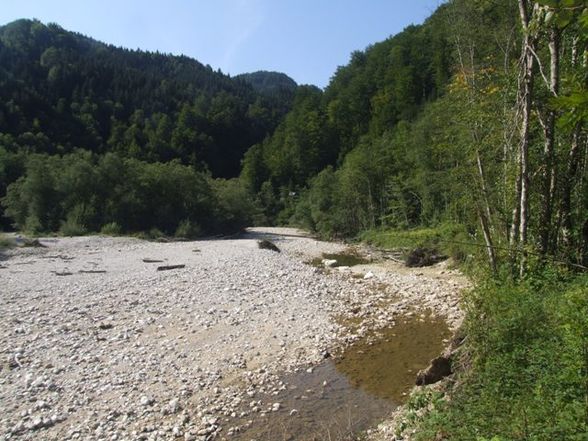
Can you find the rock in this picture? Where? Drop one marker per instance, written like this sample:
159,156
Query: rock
174,406
267,245
276,407
368,275
146,401
439,368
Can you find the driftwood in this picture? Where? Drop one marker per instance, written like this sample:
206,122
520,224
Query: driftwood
170,267
62,273
92,271
152,261
420,257
58,256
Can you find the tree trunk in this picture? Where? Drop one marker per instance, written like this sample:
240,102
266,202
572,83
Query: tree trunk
485,215
565,214
528,61
549,176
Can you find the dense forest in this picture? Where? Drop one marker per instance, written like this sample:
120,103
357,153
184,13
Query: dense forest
467,133
429,126
61,93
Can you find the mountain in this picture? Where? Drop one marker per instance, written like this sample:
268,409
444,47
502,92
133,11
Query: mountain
60,91
269,82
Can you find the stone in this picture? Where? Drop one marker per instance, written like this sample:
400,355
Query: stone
439,368
268,245
146,401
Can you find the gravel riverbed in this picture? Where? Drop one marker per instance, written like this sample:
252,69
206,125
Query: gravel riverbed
97,344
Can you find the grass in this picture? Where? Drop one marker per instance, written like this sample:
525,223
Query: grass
524,369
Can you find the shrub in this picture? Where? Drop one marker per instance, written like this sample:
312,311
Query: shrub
188,229
111,229
6,242
72,228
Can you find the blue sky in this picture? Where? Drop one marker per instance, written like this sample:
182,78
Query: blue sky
306,39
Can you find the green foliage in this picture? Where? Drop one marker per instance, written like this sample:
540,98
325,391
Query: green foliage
72,227
449,239
6,242
81,192
527,345
235,207
111,229
188,230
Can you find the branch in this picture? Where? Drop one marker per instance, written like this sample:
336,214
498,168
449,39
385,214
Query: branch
547,83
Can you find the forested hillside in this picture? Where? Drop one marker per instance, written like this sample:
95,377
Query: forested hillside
61,92
444,123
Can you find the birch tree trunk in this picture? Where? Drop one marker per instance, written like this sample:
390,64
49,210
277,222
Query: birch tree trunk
528,61
549,175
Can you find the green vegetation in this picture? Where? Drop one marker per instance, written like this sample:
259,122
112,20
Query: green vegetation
527,362
449,239
61,92
6,242
83,192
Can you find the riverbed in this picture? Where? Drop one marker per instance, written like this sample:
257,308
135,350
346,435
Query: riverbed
97,343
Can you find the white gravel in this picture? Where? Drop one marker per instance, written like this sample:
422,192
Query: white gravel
96,344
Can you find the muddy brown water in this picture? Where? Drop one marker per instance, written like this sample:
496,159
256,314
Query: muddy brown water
351,391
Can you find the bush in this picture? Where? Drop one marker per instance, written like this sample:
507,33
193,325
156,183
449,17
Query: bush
72,228
188,230
447,239
235,207
6,242
111,229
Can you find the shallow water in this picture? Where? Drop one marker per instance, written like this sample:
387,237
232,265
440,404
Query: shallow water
352,391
